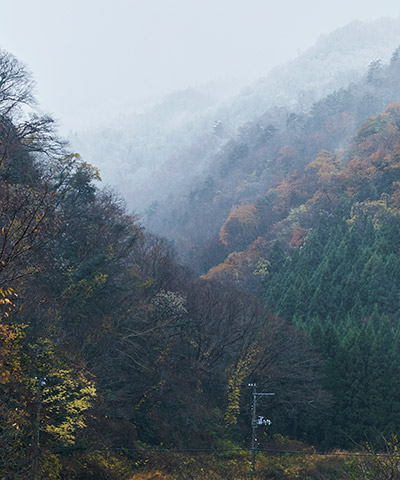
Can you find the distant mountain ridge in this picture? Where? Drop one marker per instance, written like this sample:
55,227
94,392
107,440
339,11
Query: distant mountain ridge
336,60
226,211
165,150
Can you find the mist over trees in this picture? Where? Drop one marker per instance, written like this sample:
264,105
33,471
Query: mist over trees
105,339
164,152
118,361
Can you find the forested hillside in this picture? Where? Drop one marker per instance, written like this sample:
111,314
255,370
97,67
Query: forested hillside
118,362
157,156
108,346
222,214
326,253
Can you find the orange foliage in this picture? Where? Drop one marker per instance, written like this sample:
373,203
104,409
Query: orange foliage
258,246
240,218
376,159
393,110
245,214
243,266
325,164
298,237
229,267
9,366
291,192
298,200
298,187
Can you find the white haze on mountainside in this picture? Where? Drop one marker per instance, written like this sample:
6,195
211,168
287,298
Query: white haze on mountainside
160,151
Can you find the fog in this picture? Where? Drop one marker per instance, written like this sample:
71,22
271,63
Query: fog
93,60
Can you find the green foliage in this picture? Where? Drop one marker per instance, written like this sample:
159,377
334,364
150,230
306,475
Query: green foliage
372,465
105,465
111,345
50,467
345,297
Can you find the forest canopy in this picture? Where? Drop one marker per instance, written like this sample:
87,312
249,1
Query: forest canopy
110,348
107,344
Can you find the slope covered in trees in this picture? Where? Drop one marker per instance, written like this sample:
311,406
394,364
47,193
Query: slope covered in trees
258,159
156,157
326,253
341,281
109,347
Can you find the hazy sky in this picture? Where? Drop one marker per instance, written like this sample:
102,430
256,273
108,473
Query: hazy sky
94,58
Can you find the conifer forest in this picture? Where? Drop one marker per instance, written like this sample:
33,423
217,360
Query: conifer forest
137,346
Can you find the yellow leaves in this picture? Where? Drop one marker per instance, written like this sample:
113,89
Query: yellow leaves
108,465
164,354
9,353
262,267
147,284
378,211
148,393
69,395
111,252
4,292
5,376
5,300
239,373
100,279
86,287
50,466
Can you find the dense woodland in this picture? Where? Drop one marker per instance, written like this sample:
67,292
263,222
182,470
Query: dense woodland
258,159
167,149
117,362
108,346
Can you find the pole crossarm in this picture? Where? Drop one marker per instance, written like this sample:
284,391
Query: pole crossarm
256,396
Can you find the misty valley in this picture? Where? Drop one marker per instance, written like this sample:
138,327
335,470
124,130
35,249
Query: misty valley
209,289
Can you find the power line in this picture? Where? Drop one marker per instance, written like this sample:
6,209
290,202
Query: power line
245,450
333,454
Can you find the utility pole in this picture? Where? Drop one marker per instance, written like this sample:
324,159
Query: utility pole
41,382
254,425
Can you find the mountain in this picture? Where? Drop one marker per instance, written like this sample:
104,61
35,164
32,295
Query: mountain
117,362
165,149
336,60
109,348
331,266
136,153
257,160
